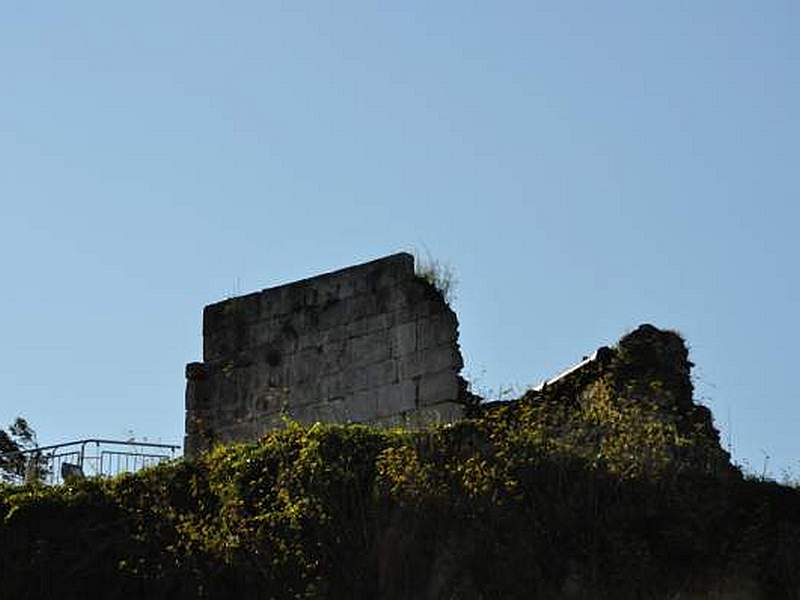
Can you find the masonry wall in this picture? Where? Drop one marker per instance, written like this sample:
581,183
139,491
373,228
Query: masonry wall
368,344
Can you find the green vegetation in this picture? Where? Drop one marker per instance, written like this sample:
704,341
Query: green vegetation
496,506
14,466
608,489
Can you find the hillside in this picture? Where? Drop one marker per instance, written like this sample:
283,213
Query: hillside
610,483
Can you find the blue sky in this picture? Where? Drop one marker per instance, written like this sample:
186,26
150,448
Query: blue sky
583,167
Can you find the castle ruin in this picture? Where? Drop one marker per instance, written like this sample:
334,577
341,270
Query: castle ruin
373,343
378,344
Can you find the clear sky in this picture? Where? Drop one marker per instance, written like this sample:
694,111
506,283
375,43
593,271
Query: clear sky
583,166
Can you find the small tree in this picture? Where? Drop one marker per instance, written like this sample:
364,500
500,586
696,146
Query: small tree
15,463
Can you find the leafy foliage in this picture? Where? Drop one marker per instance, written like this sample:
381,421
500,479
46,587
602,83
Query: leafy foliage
14,465
612,497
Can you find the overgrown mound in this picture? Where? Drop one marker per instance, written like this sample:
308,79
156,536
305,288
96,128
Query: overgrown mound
605,486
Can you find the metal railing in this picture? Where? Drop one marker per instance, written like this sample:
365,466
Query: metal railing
82,458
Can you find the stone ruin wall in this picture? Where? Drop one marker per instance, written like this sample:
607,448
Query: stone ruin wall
371,344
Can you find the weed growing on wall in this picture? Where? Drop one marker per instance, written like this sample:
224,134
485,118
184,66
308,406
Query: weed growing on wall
440,275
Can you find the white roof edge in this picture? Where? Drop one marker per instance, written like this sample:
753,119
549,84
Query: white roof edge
569,371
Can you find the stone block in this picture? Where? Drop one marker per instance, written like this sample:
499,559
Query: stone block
277,377
313,338
380,322
367,349
227,313
236,410
370,376
356,378
438,387
288,326
392,299
259,333
335,314
383,273
360,406
270,400
291,298
360,307
404,339
395,398
437,330
364,325
334,356
332,289
307,365
220,343
418,310
380,374
308,392
335,385
432,360
412,366
355,328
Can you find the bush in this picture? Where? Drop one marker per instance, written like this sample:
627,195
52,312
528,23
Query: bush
533,499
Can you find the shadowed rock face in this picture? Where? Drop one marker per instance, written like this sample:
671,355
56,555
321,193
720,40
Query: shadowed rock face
368,344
